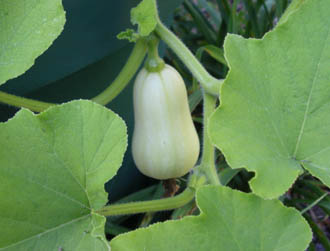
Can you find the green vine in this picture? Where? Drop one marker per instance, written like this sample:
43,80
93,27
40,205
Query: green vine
149,206
207,165
126,74
210,84
33,105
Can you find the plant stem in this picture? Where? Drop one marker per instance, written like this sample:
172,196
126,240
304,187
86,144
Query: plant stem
126,74
207,165
314,203
233,20
33,105
209,83
149,206
132,65
153,62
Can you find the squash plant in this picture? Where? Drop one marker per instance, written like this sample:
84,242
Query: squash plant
273,119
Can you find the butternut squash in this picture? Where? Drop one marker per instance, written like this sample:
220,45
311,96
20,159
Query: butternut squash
165,142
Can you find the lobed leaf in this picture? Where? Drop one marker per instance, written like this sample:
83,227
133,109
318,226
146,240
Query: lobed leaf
53,167
274,117
229,221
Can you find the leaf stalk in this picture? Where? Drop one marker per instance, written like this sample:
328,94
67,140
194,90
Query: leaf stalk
149,206
33,105
209,83
126,74
207,165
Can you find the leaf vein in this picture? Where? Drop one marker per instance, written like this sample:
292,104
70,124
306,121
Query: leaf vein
310,96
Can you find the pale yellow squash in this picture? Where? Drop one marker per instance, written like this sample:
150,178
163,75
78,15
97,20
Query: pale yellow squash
165,142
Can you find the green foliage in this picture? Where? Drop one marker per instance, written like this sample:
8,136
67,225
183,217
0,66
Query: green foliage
145,16
216,53
274,114
273,120
128,34
53,169
230,221
26,24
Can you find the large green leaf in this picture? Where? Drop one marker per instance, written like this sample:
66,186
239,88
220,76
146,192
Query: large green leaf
89,82
53,167
274,116
27,29
230,221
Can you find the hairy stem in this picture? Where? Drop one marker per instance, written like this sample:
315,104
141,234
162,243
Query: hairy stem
149,206
132,65
33,105
210,84
126,74
208,157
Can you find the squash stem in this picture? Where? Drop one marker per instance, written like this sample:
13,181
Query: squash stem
153,63
149,206
209,83
33,105
126,74
128,71
208,158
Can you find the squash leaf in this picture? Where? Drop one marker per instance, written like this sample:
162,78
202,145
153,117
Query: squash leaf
229,221
53,169
27,29
274,116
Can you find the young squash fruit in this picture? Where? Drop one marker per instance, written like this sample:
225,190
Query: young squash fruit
165,142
